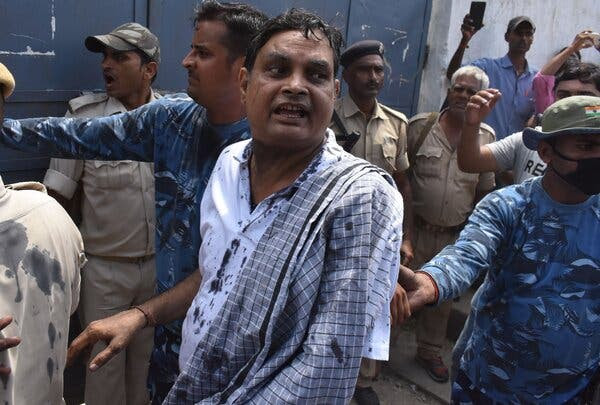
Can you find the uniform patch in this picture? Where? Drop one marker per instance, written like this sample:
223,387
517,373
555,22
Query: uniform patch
592,111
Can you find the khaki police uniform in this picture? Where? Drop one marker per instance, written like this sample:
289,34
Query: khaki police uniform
382,142
41,255
118,221
443,198
382,138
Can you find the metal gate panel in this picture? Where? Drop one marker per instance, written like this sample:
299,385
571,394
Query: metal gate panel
42,43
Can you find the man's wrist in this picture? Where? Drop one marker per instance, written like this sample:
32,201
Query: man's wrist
147,319
433,291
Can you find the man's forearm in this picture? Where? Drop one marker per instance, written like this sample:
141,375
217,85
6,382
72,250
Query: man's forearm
457,58
173,303
103,138
471,156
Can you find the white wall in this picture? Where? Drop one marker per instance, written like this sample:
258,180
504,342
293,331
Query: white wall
557,22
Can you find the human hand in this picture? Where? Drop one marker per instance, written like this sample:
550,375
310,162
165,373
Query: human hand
583,40
399,307
6,343
116,331
468,29
480,105
419,288
406,252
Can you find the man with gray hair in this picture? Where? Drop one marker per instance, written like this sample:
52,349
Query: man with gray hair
443,197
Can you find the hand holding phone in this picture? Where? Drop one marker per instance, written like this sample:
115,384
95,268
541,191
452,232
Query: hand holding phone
476,14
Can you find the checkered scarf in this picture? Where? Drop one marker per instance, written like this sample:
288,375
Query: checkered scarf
293,328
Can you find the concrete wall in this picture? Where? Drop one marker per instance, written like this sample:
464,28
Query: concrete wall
557,23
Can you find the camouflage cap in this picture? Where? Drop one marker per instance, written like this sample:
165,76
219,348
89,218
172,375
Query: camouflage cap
127,37
570,115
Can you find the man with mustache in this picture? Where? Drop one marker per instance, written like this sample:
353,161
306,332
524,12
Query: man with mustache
511,74
443,197
300,244
379,138
117,213
182,136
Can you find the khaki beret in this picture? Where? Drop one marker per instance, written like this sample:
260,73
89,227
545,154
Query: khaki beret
7,81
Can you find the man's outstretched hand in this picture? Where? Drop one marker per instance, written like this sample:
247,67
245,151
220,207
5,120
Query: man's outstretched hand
419,288
116,331
480,105
6,343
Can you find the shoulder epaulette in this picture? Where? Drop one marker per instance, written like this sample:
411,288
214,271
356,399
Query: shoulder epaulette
421,116
394,113
86,99
488,128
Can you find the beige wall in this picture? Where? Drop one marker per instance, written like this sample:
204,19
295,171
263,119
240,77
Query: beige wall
557,22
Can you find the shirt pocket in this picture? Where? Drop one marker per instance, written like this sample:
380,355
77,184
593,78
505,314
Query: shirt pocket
428,161
114,175
387,153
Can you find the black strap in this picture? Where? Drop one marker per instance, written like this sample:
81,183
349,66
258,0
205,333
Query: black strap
347,140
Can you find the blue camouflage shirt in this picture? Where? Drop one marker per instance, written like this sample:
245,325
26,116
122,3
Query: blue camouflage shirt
171,132
536,318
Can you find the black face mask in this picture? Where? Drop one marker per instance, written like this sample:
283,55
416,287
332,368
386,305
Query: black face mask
586,176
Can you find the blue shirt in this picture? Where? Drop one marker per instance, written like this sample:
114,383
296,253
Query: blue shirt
517,104
171,132
536,318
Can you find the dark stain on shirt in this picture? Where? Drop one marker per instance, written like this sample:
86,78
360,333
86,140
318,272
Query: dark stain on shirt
13,243
349,225
44,269
215,359
217,284
50,367
51,334
337,350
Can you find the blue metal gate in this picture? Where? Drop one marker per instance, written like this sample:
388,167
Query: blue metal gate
42,43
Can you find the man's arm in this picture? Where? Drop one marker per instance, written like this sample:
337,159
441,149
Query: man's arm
457,266
468,30
581,41
123,136
119,329
403,184
471,156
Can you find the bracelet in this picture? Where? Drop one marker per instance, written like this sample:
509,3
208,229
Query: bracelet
150,321
437,291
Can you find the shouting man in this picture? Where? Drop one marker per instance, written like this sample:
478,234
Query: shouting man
301,244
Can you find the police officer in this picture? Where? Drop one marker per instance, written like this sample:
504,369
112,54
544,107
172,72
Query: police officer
117,211
376,133
443,198
41,255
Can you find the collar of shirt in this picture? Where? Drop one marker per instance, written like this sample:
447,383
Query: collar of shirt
506,63
328,146
351,109
114,106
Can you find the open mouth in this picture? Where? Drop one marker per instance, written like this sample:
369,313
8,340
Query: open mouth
288,110
109,79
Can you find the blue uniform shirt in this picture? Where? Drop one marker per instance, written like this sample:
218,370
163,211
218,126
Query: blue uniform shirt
517,104
535,321
174,134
